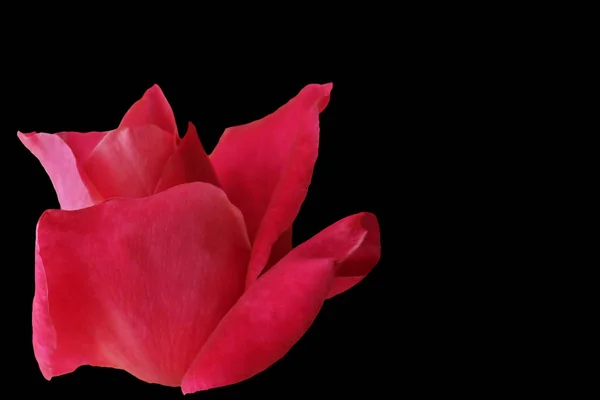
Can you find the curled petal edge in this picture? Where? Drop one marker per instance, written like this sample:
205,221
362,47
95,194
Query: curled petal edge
277,309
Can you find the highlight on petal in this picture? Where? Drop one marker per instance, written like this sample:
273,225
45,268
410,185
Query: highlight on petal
128,162
189,163
280,306
73,187
137,284
266,166
152,109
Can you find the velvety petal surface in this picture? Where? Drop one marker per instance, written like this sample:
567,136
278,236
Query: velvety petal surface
73,188
189,163
137,284
266,167
128,162
280,306
152,109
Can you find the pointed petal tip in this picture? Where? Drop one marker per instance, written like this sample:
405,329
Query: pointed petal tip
47,375
152,108
25,135
197,386
322,92
155,90
155,86
30,138
324,86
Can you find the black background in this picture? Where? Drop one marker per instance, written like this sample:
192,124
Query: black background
350,348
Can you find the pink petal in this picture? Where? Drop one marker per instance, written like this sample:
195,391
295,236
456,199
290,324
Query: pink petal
82,144
152,109
128,162
266,166
137,284
278,308
189,163
72,185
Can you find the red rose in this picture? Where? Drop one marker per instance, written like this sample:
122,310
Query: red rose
178,267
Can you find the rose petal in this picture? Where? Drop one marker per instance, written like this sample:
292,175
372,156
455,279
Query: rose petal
152,109
44,337
266,166
358,264
282,246
65,164
137,284
278,308
128,162
82,144
73,187
189,163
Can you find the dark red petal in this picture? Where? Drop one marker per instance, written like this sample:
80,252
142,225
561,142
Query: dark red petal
82,144
72,186
278,308
137,284
266,166
282,246
189,163
152,109
128,162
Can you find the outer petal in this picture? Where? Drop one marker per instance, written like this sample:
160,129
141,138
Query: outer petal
71,184
278,308
152,109
137,284
189,163
128,162
266,166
